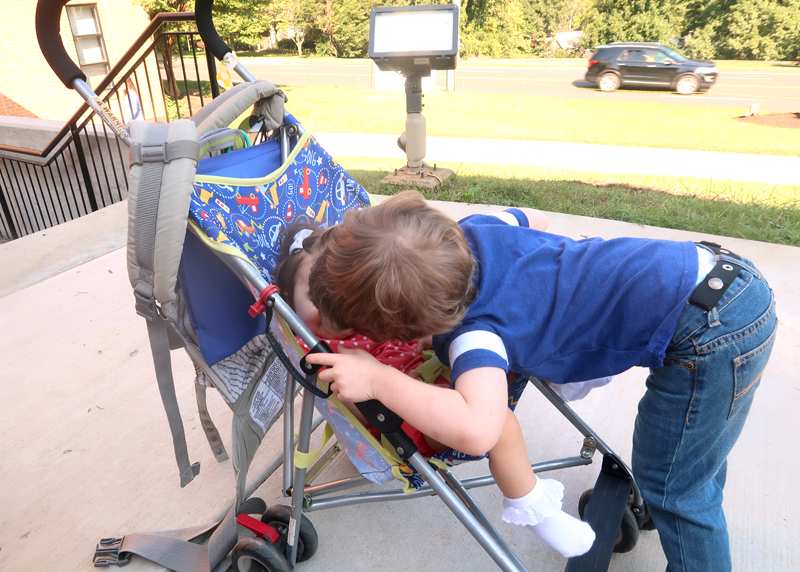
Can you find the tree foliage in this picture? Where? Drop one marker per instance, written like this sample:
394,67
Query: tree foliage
724,29
239,22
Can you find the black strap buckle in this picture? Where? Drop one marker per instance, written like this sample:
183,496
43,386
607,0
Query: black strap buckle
718,250
146,306
107,553
287,363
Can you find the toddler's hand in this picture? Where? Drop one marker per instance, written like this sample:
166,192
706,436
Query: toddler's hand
424,344
351,373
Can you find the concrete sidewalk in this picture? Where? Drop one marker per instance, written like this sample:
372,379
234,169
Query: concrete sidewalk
450,153
86,453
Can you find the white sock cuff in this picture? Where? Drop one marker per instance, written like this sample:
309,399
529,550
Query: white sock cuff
543,501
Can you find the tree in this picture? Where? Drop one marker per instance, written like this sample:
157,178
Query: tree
297,18
745,29
634,21
498,29
154,7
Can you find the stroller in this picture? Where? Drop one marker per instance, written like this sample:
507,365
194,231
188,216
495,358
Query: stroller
204,284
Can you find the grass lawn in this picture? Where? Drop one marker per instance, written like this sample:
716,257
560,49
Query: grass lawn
767,213
449,114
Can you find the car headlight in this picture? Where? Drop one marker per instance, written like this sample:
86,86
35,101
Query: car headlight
707,71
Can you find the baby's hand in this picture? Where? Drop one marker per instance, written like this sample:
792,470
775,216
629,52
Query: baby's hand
351,373
424,344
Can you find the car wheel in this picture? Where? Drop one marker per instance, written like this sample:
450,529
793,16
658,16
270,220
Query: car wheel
608,82
687,85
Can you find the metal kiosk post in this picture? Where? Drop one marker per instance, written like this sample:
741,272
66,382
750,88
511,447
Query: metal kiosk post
413,40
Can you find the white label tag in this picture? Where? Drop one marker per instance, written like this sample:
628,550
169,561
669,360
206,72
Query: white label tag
292,523
422,61
268,397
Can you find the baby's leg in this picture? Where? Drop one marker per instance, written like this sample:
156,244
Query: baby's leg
531,502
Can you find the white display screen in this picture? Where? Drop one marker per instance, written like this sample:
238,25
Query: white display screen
413,31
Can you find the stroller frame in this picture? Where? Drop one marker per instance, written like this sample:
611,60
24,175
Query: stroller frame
615,490
615,475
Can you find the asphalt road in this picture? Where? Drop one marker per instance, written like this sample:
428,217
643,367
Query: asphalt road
776,92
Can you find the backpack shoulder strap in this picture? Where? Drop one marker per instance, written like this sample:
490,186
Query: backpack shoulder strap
163,160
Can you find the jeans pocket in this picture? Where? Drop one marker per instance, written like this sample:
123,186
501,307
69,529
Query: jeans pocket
747,371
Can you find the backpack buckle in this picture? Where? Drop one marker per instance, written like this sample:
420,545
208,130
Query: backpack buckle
146,306
107,553
140,153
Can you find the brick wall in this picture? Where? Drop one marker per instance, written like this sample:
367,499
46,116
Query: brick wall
28,88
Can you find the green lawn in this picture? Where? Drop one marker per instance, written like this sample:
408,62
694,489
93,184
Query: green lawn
768,213
449,114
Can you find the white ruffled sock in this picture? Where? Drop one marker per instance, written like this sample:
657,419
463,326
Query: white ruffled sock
540,511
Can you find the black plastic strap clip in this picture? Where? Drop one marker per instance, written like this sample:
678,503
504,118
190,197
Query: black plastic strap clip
709,292
107,553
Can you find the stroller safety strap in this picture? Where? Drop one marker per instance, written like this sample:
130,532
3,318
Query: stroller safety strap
179,550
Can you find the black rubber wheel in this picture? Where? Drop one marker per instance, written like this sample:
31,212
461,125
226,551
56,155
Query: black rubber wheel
278,518
628,533
583,501
648,523
254,554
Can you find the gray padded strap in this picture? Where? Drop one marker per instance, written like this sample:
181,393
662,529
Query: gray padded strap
206,111
147,217
212,434
145,238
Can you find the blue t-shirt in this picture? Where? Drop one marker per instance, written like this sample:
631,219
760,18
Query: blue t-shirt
565,310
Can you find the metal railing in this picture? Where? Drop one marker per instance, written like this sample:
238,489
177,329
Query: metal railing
84,167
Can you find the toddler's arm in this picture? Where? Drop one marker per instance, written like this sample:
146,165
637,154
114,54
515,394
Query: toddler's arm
537,220
469,418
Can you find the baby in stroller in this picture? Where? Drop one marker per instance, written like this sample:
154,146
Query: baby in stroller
529,501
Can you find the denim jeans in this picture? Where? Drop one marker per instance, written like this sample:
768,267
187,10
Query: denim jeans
692,414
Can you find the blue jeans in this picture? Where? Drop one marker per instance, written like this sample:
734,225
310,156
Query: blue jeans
692,414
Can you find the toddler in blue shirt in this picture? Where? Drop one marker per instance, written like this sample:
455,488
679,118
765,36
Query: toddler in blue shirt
500,296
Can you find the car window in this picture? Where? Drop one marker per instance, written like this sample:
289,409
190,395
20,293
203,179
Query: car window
656,56
632,56
675,56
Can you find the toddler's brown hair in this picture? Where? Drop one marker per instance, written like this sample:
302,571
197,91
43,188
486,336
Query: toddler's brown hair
289,261
401,270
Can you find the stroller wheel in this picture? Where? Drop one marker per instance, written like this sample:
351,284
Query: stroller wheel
628,533
647,523
278,518
258,555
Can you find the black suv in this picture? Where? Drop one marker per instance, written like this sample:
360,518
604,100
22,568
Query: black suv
648,64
